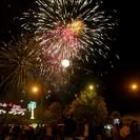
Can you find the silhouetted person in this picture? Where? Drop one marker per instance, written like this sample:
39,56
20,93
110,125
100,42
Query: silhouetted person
134,131
69,127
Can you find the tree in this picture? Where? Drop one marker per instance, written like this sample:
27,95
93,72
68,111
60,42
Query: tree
54,111
89,106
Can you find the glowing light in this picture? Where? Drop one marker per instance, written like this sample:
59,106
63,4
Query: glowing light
65,63
17,110
108,126
13,109
31,107
2,111
35,89
134,87
4,105
34,125
91,87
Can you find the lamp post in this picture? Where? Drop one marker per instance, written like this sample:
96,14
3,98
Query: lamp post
34,93
38,91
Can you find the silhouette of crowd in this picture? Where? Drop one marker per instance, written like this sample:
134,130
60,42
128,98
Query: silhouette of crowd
70,129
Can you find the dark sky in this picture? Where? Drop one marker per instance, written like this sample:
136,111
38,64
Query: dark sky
116,80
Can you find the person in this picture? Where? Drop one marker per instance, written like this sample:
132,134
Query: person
49,132
69,127
125,130
116,133
86,130
134,131
92,130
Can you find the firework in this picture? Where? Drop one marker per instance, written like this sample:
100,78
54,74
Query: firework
70,29
19,63
74,30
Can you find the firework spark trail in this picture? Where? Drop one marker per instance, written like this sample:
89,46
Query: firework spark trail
19,63
67,29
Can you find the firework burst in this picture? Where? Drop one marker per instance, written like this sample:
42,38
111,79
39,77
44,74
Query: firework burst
70,29
19,63
75,30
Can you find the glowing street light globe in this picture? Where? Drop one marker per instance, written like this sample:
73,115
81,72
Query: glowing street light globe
90,90
35,89
91,87
65,63
134,87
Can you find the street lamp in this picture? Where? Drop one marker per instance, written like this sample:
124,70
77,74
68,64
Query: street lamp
35,91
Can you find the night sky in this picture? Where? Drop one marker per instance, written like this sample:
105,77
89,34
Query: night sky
115,80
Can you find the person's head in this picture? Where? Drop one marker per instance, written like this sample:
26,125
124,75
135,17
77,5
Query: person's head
70,115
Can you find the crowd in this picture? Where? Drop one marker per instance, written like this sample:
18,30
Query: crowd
70,130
